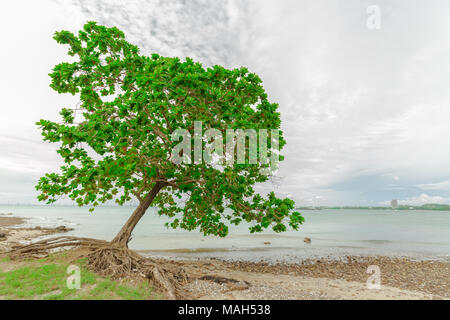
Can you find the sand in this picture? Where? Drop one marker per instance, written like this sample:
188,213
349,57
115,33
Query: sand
285,287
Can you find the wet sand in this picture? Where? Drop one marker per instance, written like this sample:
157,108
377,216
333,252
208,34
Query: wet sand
6,221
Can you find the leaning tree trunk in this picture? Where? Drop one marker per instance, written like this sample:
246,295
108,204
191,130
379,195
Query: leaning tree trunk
115,259
124,235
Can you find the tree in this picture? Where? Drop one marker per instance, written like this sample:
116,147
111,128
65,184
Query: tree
116,144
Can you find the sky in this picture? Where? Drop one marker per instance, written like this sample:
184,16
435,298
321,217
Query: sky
365,111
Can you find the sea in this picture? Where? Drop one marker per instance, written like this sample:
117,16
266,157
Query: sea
334,234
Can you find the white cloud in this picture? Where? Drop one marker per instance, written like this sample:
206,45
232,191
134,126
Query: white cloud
209,31
353,101
444,185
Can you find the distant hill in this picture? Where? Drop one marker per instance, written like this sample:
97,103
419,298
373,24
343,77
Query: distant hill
429,206
435,206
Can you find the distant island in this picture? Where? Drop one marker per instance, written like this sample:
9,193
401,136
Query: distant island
430,206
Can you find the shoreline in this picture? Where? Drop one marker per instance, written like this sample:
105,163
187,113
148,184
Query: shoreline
313,279
183,254
333,234
12,233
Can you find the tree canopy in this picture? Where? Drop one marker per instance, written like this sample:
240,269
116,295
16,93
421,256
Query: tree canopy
116,143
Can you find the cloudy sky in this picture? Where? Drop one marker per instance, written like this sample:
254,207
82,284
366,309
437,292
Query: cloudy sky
365,111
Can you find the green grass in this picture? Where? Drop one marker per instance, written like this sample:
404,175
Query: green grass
43,280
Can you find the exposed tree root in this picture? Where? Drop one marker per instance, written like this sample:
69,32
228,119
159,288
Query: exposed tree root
42,248
122,262
113,261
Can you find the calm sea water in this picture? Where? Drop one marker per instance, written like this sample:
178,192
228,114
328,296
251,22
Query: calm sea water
334,233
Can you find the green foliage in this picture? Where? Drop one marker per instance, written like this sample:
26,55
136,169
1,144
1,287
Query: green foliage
116,144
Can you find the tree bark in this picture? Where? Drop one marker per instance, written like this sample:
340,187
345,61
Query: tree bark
124,235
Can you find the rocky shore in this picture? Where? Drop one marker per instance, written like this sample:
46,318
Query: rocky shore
400,278
11,232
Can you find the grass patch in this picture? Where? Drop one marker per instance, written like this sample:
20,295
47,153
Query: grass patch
47,279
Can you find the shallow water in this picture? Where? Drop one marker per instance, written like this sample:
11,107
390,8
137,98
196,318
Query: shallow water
334,233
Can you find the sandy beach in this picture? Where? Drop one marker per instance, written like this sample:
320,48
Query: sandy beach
401,278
